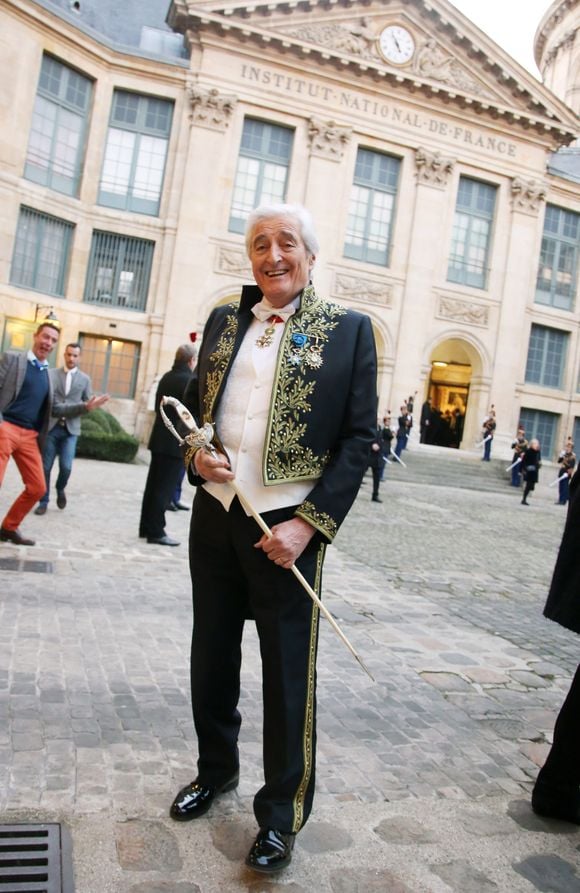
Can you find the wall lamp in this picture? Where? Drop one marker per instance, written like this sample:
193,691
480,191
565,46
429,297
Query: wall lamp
51,315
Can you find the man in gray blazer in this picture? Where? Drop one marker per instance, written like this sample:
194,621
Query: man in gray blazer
25,407
71,391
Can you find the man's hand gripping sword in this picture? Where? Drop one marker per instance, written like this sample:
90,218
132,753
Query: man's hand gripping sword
200,438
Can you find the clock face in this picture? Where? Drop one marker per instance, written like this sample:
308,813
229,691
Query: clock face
396,44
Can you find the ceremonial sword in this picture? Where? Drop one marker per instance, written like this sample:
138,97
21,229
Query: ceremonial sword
201,438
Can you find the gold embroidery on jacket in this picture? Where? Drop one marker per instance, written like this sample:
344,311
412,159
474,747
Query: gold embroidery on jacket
218,363
287,458
308,733
320,520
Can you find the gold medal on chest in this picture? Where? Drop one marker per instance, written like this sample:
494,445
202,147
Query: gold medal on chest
267,337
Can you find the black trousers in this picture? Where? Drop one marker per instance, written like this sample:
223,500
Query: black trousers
232,581
162,479
563,763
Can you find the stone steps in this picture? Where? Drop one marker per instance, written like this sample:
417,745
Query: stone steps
449,468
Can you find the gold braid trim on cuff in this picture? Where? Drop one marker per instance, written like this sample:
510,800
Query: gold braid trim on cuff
320,520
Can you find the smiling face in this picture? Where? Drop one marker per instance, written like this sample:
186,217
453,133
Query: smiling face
280,262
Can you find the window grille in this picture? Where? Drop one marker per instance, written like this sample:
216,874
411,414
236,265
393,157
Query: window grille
41,252
371,209
119,271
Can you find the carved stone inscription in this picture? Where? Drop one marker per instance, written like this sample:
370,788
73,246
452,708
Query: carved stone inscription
352,102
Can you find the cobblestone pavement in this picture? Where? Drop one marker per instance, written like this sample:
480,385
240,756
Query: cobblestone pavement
423,776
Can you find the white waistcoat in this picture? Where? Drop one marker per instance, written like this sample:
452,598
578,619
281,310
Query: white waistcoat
241,422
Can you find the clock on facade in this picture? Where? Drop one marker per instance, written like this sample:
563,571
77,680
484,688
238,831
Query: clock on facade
396,44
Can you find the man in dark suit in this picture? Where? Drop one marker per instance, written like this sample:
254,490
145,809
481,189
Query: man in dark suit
166,457
556,792
72,398
289,380
25,407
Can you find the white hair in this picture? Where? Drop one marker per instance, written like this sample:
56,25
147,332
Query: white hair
298,212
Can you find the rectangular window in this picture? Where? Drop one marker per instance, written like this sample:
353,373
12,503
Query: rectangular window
135,154
262,170
111,364
546,357
576,437
57,133
558,267
471,237
119,271
543,426
41,252
372,202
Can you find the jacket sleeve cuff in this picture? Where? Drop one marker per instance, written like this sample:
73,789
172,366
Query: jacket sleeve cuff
321,522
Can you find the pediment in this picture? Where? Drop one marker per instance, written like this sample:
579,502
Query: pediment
451,57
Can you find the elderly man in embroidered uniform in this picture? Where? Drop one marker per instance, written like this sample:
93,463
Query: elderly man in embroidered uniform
289,381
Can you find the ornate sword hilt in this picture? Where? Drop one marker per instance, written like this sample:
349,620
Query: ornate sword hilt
198,438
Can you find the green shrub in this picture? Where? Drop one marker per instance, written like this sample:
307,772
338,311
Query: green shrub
103,437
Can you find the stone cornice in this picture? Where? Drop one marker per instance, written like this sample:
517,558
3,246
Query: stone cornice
533,107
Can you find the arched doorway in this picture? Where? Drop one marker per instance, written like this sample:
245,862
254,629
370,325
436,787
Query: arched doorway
447,394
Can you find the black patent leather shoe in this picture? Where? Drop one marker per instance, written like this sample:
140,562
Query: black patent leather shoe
195,799
557,801
271,851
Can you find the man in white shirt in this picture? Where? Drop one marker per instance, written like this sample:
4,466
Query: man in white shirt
71,398
289,380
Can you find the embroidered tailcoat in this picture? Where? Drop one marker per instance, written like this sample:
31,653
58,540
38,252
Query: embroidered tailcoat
322,415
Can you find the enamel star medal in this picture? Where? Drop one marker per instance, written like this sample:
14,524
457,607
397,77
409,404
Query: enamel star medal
313,356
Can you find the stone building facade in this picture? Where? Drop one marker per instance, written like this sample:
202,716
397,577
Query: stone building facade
137,136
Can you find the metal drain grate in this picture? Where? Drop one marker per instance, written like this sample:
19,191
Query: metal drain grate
35,859
33,567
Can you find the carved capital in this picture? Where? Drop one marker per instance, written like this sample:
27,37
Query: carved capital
463,311
327,138
370,291
527,195
433,167
209,107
